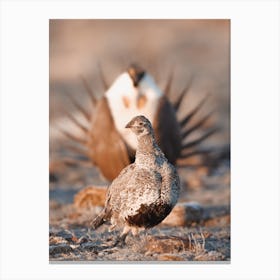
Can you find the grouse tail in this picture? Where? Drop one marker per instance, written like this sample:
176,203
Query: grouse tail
98,221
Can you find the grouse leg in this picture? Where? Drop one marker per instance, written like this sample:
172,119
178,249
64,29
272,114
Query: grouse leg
120,241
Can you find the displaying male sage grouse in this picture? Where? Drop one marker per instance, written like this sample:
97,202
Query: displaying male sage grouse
145,191
111,147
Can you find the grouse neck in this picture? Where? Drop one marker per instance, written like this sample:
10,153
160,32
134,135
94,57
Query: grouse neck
145,148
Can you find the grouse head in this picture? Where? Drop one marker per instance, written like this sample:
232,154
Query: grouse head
136,73
140,125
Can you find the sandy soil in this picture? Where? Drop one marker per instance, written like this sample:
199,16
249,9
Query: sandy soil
190,47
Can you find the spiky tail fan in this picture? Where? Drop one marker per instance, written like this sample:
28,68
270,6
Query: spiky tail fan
99,220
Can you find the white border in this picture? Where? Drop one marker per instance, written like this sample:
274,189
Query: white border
255,137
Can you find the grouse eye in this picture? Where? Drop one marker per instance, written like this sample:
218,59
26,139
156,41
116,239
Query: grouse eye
140,123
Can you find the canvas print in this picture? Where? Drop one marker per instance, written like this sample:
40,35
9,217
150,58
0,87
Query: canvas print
139,166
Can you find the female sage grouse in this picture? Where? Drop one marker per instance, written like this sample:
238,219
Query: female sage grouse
145,191
111,147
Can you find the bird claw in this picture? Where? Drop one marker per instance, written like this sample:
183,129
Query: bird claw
120,242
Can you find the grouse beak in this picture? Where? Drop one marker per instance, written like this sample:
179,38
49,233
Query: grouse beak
129,125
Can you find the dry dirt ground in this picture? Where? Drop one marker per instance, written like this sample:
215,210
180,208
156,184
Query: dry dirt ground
190,47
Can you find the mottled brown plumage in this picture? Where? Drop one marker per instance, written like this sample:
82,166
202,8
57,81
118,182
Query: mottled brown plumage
145,192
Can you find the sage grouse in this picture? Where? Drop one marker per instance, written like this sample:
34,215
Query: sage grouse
111,147
145,191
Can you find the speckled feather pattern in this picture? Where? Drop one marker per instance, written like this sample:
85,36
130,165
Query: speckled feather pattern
145,192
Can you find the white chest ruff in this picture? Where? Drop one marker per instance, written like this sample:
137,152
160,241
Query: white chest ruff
122,112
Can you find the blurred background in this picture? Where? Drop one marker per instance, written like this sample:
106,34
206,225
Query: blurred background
189,47
198,48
